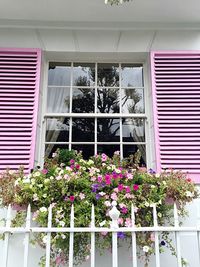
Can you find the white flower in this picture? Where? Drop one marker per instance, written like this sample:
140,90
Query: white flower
117,170
36,174
61,223
146,248
146,204
102,194
157,175
63,236
107,203
44,239
17,181
46,181
189,194
35,197
102,223
33,181
40,185
43,209
44,195
152,186
26,181
90,162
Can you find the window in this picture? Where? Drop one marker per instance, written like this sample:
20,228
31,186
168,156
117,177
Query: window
96,108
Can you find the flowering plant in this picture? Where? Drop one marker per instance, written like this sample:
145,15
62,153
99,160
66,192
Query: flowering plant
67,178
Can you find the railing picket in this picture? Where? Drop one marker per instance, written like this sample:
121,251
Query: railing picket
177,237
134,243
71,238
48,241
92,237
27,236
155,222
114,215
7,236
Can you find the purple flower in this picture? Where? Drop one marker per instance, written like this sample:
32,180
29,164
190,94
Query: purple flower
151,171
98,196
94,187
121,235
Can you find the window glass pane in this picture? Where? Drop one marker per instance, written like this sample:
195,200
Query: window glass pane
108,100
83,74
57,130
133,130
133,101
87,150
83,100
132,76
132,149
82,130
59,74
51,148
108,130
58,100
108,75
108,149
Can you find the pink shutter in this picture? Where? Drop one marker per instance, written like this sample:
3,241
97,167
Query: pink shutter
176,97
19,90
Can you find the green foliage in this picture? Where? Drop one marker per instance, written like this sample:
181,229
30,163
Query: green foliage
69,179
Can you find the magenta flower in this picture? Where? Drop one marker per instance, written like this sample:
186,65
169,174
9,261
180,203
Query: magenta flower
72,198
124,210
135,187
128,190
72,161
120,187
77,166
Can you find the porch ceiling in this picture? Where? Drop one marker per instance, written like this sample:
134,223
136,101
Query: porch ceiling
95,11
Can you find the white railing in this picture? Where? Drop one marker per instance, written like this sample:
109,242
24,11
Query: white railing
7,230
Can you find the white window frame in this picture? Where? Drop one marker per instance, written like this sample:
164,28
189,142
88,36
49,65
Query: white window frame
146,116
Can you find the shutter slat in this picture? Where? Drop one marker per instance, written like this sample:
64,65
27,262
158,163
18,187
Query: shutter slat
176,95
19,91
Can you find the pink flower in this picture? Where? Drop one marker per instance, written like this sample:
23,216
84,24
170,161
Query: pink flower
72,198
72,161
99,179
82,196
93,178
107,203
103,157
59,260
59,177
129,176
120,221
116,190
114,196
122,205
77,166
44,171
128,222
128,190
108,179
135,187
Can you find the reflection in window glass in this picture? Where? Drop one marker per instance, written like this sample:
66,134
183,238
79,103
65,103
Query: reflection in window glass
133,130
82,130
59,74
108,130
57,130
58,100
108,100
51,148
83,100
108,149
132,149
132,100
87,150
108,75
83,74
132,76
